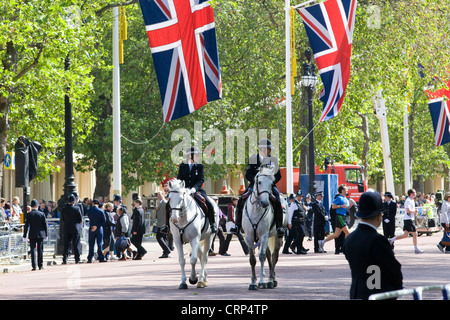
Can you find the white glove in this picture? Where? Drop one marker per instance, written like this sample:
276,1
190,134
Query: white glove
326,218
193,190
386,220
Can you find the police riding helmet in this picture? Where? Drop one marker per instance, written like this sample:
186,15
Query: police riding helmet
370,204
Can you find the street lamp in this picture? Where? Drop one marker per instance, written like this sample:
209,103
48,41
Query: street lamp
69,179
309,81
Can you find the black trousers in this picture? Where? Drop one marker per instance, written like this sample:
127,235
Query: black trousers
298,235
37,243
136,240
389,229
74,238
319,234
163,240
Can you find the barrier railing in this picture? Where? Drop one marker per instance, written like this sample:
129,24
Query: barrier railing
416,293
12,245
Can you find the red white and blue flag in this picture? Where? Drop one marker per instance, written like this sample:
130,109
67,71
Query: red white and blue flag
182,38
329,26
440,115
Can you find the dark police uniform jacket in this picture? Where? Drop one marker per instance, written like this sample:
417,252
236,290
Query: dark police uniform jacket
254,163
390,211
319,212
72,217
138,217
365,247
36,223
192,178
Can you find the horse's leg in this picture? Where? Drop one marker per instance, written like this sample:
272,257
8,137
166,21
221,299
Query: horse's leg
272,258
181,261
195,242
202,283
252,259
262,259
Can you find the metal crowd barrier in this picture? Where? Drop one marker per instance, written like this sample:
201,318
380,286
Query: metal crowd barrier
12,244
426,220
417,293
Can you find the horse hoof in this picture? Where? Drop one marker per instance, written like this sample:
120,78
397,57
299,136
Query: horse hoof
270,285
193,281
275,283
262,285
201,284
253,287
183,286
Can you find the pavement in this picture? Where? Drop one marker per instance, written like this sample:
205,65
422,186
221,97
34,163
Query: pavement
314,276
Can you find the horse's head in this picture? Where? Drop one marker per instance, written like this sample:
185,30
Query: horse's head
177,192
263,185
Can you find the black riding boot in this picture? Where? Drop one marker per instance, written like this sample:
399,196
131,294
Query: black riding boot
211,217
278,211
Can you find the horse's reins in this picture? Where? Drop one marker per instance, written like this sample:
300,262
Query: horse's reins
181,229
255,225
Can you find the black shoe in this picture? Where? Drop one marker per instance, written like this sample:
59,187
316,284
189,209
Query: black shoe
41,268
165,255
286,252
292,248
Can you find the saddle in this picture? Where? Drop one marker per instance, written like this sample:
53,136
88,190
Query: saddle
201,202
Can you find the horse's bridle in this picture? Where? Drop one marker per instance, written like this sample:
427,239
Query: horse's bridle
182,213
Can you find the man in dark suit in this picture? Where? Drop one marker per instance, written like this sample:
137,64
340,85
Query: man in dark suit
373,265
192,175
320,218
96,221
264,157
36,224
72,219
389,216
138,229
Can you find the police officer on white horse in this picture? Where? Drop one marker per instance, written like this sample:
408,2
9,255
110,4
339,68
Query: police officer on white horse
192,175
264,157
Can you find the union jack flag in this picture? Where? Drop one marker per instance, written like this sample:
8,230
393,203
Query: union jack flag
182,38
329,26
440,115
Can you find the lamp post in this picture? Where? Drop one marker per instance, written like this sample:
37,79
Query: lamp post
309,81
69,178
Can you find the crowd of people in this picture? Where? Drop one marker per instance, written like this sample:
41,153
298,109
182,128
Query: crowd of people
113,230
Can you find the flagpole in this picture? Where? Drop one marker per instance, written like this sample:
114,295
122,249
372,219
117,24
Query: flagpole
406,164
289,165
117,164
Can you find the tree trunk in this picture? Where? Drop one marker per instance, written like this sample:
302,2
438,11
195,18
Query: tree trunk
9,63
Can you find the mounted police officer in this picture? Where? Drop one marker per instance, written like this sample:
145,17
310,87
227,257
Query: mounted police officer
264,157
192,175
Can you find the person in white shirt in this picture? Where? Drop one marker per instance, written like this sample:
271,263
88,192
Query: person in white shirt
445,221
408,221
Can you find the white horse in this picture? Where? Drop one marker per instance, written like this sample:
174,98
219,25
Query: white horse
189,224
258,223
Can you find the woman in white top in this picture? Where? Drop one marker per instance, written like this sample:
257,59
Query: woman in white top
408,221
445,221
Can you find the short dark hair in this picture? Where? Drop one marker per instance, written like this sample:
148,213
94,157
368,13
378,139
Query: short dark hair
411,191
342,187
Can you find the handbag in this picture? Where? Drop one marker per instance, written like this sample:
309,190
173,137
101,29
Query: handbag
122,243
446,238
